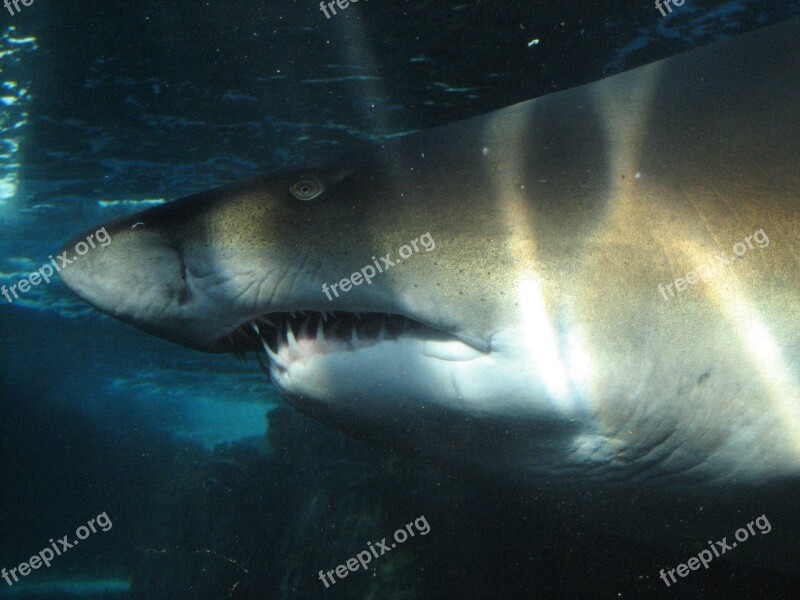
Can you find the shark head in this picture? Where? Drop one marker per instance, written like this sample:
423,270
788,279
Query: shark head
350,284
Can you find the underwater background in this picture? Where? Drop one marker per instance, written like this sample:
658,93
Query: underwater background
216,489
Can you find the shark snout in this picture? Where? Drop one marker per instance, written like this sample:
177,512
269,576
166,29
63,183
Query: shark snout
128,271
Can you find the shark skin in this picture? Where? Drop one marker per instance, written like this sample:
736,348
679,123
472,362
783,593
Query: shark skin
546,337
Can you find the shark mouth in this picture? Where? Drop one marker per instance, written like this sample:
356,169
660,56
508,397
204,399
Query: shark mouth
289,337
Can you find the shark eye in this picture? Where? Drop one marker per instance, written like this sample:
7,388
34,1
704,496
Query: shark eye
307,188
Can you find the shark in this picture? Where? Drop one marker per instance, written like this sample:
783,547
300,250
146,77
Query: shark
595,289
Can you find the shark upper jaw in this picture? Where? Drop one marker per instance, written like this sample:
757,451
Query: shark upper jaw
302,339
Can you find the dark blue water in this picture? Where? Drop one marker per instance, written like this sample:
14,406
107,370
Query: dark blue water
213,487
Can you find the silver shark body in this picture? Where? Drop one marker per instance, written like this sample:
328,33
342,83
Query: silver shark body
538,331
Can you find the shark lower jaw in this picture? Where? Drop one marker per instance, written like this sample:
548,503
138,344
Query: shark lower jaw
299,349
400,383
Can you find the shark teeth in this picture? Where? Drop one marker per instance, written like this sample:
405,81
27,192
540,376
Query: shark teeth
320,332
286,337
273,356
293,345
